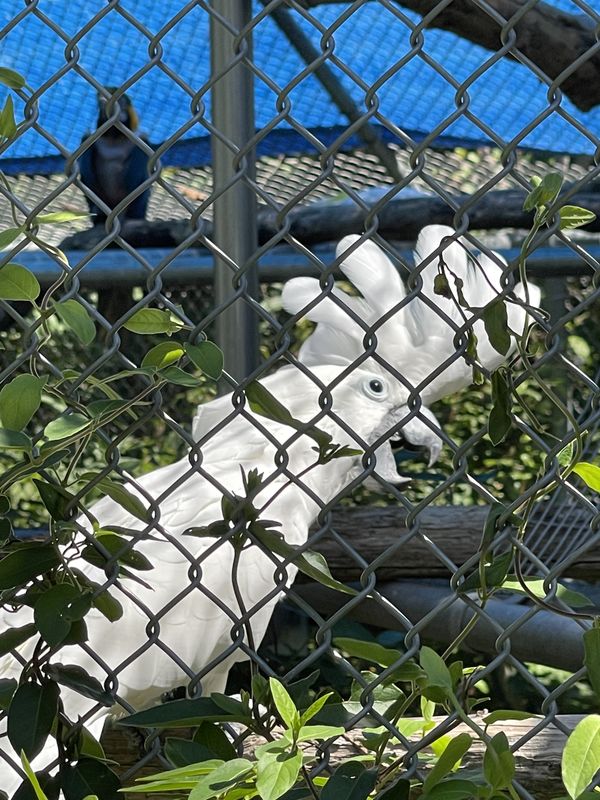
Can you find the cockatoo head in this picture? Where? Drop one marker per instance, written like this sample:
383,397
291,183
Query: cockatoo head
364,408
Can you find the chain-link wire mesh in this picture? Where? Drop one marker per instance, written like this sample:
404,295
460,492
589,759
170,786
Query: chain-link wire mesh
211,249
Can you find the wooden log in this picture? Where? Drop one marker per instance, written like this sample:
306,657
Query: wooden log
455,530
400,219
537,758
552,39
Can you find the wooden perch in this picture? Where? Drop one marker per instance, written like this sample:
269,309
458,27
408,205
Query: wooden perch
399,219
552,39
537,759
455,530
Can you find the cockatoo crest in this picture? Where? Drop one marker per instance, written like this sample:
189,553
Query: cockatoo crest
417,334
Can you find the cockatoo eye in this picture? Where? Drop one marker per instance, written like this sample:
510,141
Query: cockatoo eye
376,388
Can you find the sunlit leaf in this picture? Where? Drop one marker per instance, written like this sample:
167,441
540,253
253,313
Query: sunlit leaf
574,217
19,400
17,282
76,317
589,474
58,217
162,355
207,357
284,704
66,425
449,760
499,762
8,126
11,78
152,320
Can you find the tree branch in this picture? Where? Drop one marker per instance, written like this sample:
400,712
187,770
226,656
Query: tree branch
553,40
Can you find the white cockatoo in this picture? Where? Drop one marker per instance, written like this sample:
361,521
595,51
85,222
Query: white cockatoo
184,619
417,336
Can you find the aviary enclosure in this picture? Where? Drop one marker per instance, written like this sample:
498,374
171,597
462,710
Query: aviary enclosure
299,321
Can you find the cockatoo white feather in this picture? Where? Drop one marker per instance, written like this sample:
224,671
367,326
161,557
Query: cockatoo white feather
176,625
418,337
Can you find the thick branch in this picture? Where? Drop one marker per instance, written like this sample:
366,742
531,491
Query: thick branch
553,40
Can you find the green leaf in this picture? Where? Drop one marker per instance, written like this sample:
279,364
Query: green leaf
500,716
314,709
350,781
12,79
182,752
64,426
76,317
17,282
453,789
8,686
310,563
589,474
51,612
591,647
214,741
284,704
494,574
87,777
14,440
377,654
313,733
8,126
435,669
449,760
498,762
13,637
180,378
26,563
500,421
276,773
207,357
118,548
58,217
124,498
30,717
76,678
565,456
536,587
162,355
19,400
59,503
108,606
8,236
183,714
39,793
495,320
228,774
152,320
574,217
545,192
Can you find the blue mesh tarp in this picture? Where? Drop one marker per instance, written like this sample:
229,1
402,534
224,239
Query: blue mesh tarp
416,98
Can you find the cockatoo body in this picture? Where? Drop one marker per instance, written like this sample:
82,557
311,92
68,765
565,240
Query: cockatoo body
184,621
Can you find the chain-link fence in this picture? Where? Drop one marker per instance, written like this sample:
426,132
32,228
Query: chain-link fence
359,204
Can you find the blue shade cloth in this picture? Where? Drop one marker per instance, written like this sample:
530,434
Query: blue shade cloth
415,99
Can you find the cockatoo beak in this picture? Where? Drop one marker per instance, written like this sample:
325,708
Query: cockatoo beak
415,431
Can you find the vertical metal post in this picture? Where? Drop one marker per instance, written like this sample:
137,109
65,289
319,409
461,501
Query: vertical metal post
235,230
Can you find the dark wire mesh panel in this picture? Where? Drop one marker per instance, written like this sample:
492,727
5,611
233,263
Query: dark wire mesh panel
160,455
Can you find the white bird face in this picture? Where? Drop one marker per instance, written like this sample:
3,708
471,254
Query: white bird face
368,407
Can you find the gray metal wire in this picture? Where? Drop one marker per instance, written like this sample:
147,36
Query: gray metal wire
562,530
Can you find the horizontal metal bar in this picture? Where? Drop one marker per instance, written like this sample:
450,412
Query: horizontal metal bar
195,265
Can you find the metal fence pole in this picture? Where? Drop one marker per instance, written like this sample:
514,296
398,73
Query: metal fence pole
235,202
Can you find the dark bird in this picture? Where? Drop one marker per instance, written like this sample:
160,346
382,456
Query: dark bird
113,167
